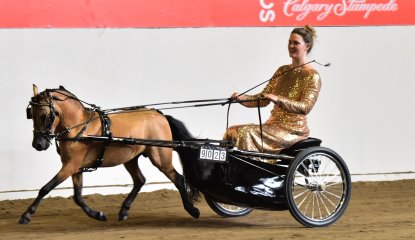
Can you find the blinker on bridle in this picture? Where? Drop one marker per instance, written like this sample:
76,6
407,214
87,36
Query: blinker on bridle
50,117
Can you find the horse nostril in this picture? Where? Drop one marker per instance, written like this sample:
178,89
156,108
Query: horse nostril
37,146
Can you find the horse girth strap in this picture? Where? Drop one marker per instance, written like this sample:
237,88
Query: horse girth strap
106,132
106,124
98,162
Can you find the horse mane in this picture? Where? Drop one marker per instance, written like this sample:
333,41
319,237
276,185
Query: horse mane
62,88
63,91
69,95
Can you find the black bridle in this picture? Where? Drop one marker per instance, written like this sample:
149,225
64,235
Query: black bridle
50,116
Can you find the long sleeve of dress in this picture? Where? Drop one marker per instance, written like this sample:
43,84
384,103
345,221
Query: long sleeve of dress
267,90
308,97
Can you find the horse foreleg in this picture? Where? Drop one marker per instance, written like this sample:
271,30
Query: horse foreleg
27,215
139,180
77,180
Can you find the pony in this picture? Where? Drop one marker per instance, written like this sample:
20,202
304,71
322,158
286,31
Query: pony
59,114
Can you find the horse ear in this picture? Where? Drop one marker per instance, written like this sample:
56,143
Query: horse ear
62,87
35,90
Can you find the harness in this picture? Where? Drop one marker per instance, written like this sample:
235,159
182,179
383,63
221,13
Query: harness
105,132
50,118
106,135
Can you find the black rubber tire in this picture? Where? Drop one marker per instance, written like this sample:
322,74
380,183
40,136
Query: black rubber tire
319,179
225,210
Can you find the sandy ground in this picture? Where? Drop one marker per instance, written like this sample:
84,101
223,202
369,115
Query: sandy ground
378,210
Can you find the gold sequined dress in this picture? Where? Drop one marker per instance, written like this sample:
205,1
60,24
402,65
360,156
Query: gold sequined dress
298,90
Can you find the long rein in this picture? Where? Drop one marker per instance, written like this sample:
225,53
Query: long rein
188,104
95,109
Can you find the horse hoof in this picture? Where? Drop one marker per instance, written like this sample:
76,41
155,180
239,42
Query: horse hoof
101,217
24,220
122,217
194,212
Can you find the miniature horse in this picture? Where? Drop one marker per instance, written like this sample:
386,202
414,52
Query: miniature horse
57,112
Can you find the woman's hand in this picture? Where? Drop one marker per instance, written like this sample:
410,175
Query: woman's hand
235,96
272,97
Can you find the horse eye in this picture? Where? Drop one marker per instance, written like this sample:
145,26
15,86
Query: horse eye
43,118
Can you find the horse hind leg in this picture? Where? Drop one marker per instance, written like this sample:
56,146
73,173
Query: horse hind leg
162,159
77,180
139,180
179,182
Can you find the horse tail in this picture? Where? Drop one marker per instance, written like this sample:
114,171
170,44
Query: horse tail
178,129
187,155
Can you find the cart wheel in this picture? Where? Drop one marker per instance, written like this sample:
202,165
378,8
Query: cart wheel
318,187
227,210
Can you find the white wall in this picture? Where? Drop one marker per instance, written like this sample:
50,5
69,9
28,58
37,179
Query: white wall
364,111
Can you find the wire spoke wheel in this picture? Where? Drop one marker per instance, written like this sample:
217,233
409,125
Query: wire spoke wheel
227,210
318,187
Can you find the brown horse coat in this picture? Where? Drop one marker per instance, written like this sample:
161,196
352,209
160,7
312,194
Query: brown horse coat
73,119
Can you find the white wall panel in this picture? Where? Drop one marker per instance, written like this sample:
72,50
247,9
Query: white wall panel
365,110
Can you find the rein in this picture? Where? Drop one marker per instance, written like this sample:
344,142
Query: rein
106,123
212,102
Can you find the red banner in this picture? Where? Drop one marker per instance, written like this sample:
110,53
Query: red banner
202,13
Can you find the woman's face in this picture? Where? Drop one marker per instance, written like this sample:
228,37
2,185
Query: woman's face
297,48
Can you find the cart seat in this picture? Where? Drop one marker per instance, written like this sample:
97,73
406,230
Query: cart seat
299,146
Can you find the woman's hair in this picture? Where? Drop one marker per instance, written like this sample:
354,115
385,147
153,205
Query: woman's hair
308,33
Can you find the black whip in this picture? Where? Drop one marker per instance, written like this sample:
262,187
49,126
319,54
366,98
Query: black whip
289,70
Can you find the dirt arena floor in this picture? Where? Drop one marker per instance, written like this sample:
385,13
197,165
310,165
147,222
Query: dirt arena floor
378,210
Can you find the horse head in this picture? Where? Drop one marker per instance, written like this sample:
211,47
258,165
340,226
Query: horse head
43,113
45,109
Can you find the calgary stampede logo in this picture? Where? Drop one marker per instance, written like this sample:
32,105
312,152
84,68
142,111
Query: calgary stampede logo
302,8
